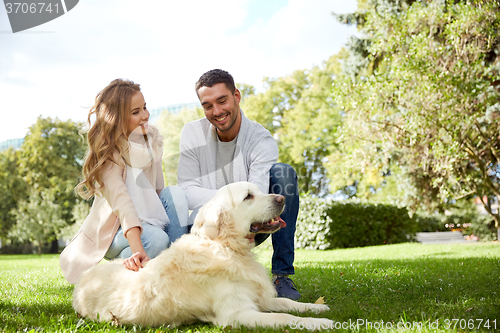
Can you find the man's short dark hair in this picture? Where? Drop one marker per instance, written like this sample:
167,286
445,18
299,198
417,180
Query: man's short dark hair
215,76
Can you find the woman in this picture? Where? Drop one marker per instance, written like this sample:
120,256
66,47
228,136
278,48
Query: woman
132,217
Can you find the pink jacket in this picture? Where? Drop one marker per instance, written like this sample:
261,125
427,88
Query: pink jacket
110,210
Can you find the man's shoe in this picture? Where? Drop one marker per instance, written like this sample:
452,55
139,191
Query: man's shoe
286,288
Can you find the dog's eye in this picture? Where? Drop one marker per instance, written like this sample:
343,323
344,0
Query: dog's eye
249,196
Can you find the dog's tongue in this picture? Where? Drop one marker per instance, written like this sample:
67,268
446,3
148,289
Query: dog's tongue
255,227
282,222
278,220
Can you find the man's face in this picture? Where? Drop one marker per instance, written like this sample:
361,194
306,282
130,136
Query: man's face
222,109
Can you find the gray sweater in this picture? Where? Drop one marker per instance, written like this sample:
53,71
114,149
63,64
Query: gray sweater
256,152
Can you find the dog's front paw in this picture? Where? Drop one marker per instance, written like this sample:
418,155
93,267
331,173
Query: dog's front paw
318,307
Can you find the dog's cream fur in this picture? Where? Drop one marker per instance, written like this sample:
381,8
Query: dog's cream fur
210,275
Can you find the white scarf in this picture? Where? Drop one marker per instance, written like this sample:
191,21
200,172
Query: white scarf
141,177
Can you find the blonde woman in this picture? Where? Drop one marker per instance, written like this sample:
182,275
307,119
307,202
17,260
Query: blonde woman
133,216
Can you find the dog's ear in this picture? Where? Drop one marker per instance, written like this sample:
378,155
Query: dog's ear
208,220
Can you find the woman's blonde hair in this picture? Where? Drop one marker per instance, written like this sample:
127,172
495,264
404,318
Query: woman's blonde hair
112,113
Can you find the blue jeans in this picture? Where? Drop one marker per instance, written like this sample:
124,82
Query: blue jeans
153,238
176,205
283,180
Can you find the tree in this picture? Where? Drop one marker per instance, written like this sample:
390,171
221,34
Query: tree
39,220
12,189
51,157
170,126
281,95
80,212
245,90
299,111
360,168
430,102
50,160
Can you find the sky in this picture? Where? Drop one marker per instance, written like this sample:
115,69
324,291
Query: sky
56,69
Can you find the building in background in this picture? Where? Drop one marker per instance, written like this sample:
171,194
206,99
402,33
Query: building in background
14,143
174,108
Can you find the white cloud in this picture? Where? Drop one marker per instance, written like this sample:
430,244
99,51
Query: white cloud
56,69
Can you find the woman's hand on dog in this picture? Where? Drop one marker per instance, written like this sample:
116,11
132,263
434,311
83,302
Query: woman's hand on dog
136,261
139,256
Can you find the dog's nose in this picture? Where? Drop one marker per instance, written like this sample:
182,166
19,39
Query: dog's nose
280,199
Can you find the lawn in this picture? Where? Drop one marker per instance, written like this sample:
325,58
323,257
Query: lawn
406,287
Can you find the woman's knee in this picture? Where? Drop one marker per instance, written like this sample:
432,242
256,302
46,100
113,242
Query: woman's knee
155,241
166,194
175,194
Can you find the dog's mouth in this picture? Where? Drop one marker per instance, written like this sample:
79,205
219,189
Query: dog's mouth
267,227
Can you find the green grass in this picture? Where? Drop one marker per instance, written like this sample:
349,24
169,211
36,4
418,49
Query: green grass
410,284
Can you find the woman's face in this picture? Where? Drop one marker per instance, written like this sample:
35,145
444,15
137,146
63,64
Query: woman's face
139,115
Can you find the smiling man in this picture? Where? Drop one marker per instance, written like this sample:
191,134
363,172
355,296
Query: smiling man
226,147
221,106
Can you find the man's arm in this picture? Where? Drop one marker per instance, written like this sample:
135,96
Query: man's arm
262,157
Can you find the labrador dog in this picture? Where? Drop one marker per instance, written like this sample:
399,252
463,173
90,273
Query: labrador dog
210,275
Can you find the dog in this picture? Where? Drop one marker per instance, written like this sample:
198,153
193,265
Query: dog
209,275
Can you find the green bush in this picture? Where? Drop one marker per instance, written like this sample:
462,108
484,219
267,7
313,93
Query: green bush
430,223
313,224
483,226
329,224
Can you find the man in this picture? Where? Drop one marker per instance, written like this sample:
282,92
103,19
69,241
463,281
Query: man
226,147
